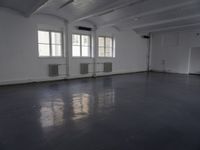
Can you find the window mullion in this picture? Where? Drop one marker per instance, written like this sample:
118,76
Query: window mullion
104,46
80,45
62,46
90,46
112,47
50,44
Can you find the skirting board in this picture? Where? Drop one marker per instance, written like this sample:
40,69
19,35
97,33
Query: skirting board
104,74
172,72
14,82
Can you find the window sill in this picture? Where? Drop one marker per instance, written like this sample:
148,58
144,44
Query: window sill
62,57
81,57
106,57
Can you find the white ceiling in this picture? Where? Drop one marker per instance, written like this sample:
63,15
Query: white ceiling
24,7
141,15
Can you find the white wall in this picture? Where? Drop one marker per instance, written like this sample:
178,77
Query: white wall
170,51
131,53
19,62
194,67
74,63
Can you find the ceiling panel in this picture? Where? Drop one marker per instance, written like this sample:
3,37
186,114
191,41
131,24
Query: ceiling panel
79,8
170,25
22,6
139,14
138,9
181,13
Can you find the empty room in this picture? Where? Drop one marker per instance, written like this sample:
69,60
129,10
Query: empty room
99,74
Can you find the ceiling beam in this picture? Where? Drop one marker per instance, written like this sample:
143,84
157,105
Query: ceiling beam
66,3
111,9
150,13
12,10
54,16
141,31
167,21
91,22
36,7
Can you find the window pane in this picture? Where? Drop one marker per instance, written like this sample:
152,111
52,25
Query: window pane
108,52
56,50
109,42
44,50
85,51
56,37
76,51
101,41
43,37
101,51
85,40
76,39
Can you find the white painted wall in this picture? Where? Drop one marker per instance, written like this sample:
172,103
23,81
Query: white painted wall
194,67
19,62
131,53
170,51
74,62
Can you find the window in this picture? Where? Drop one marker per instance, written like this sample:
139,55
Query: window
105,46
81,45
50,44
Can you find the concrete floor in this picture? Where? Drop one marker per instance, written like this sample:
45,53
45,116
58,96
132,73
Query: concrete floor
127,112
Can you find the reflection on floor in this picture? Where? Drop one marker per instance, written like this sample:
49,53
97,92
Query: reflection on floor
145,111
105,100
80,105
52,113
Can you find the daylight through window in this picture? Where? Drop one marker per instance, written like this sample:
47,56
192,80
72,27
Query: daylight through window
50,44
81,45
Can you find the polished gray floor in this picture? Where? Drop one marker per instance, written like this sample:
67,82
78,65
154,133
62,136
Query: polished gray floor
128,112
